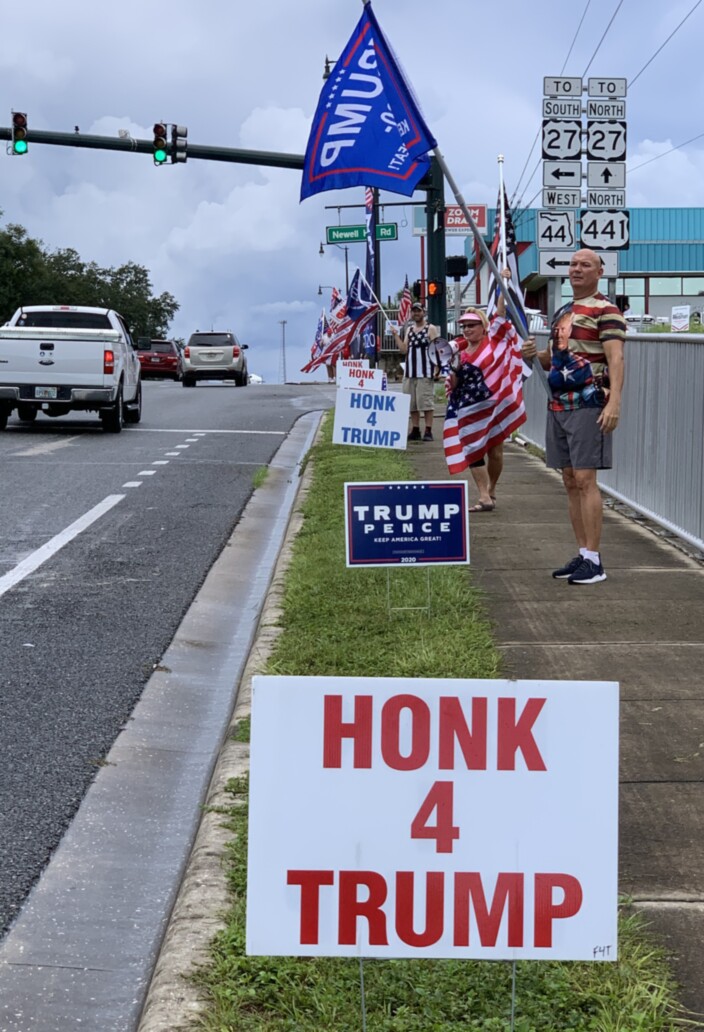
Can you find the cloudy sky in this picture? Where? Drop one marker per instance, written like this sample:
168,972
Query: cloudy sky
232,242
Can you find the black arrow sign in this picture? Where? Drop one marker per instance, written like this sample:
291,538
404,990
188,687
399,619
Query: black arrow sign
553,263
558,173
606,175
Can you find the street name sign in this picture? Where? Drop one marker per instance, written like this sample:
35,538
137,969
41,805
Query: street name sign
562,198
606,140
561,174
387,231
605,229
406,523
599,87
346,234
429,817
562,138
556,229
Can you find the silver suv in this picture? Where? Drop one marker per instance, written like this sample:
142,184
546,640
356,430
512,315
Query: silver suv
214,356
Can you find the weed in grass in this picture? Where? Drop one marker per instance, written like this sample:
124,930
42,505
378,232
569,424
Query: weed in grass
260,476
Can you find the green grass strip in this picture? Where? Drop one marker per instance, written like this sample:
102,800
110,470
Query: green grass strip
337,621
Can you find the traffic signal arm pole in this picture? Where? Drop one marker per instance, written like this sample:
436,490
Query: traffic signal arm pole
242,157
517,321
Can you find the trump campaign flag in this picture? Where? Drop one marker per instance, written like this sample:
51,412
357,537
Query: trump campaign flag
348,320
367,129
486,404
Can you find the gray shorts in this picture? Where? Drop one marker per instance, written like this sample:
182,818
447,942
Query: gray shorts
422,392
574,439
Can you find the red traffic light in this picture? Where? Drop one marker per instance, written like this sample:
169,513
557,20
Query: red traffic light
19,120
435,288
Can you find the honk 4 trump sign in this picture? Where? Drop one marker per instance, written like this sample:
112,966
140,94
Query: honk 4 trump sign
433,818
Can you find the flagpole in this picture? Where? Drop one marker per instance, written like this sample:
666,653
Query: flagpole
481,243
502,225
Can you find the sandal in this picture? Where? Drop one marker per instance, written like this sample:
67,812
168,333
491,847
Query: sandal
482,507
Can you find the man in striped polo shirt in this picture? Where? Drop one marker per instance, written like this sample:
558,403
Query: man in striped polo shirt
585,360
418,379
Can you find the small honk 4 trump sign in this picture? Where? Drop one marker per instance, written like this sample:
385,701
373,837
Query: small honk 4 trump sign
433,818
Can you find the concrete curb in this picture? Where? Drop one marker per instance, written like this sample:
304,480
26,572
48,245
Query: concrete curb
173,1001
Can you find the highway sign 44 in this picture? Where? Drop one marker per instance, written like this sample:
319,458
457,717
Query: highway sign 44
606,229
556,229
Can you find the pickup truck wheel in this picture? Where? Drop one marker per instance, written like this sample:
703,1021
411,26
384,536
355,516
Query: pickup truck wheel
133,411
114,417
26,413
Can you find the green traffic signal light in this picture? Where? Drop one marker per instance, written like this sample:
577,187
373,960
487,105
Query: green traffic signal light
159,157
19,147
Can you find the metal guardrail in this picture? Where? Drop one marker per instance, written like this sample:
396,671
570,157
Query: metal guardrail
659,444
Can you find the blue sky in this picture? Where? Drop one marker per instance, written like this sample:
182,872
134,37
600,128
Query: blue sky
232,242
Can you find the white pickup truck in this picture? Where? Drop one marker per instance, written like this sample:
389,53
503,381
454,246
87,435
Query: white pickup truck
54,359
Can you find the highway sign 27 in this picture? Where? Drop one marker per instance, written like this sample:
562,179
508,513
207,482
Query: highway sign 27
562,138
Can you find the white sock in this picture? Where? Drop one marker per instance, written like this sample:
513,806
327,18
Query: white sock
594,556
583,553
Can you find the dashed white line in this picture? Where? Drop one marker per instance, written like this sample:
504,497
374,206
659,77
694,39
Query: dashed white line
146,473
173,454
160,462
182,446
133,483
35,560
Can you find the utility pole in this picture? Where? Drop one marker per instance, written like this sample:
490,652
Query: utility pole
283,349
435,214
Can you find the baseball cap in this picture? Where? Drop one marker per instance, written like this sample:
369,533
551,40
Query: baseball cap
417,304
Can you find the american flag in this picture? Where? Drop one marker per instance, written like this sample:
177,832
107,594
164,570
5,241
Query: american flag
335,298
514,287
348,320
404,309
486,405
319,341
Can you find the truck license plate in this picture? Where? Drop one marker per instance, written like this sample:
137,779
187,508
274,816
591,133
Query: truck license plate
45,392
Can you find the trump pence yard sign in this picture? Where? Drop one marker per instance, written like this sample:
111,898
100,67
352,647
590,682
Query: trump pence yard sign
433,818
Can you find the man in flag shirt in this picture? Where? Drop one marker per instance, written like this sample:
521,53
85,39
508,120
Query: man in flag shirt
485,400
419,374
585,359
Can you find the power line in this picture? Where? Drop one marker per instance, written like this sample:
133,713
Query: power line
662,155
574,39
598,46
664,44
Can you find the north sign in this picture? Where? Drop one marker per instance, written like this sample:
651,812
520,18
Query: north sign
606,140
606,109
562,138
605,229
606,198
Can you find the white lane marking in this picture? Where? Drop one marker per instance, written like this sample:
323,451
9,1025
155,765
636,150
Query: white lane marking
133,483
182,446
160,462
200,433
48,446
155,430
36,558
173,454
146,473
192,440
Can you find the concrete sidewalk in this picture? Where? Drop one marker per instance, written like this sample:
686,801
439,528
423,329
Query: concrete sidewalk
644,627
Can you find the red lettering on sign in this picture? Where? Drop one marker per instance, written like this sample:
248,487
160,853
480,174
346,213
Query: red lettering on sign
434,907
310,882
391,732
546,911
454,726
335,729
518,734
444,832
469,889
351,907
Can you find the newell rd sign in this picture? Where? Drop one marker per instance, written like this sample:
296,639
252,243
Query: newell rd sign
433,818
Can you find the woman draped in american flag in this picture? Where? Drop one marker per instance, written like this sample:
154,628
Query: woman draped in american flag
485,398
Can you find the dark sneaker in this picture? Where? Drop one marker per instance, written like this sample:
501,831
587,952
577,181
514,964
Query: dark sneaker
587,573
428,435
414,434
568,569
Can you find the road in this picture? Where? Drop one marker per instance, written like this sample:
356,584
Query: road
133,523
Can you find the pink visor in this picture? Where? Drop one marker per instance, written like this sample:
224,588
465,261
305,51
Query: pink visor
470,317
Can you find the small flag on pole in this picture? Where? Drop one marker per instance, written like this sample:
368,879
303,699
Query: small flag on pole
404,309
514,284
348,320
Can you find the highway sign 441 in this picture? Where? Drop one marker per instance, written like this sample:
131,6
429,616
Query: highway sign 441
606,229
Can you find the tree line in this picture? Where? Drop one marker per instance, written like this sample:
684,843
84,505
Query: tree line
32,275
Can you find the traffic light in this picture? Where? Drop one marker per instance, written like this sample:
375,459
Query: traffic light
19,133
456,266
159,143
417,289
436,288
179,143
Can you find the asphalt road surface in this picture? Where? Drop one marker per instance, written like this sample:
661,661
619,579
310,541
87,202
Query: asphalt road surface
128,526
